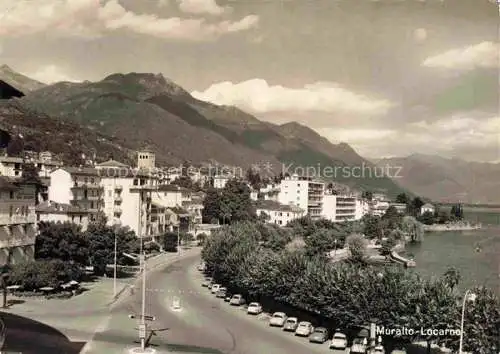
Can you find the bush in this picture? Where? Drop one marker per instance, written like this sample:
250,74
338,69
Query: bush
34,275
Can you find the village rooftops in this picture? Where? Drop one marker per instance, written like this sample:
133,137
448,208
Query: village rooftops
111,164
81,171
275,206
172,188
59,208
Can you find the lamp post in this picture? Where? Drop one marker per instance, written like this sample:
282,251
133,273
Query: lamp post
115,263
467,296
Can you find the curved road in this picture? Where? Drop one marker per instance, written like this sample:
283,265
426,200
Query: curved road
207,322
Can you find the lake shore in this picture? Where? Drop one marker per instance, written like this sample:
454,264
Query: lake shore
452,227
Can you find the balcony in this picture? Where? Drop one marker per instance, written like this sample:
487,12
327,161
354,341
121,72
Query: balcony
17,219
93,197
82,185
118,199
117,210
118,187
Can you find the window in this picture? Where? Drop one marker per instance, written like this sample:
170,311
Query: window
110,193
11,210
91,205
11,195
136,182
86,180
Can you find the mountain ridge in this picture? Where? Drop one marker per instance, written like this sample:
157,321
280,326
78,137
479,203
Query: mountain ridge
19,81
145,107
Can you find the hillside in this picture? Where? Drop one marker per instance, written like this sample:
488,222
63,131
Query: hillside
448,180
149,108
37,132
19,81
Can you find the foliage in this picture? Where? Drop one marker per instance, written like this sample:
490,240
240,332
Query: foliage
402,198
33,275
452,277
253,177
231,204
427,218
368,195
64,241
357,245
387,246
170,241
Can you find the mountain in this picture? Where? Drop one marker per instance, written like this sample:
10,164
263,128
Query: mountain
149,108
7,91
448,180
35,131
19,81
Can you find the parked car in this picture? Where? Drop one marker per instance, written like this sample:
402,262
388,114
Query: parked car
339,341
215,288
254,308
291,324
207,282
304,329
221,294
359,346
237,300
379,349
228,297
319,335
277,319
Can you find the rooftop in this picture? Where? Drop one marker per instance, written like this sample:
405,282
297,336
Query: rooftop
273,205
172,188
112,163
59,208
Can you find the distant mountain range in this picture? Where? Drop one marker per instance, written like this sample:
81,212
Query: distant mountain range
448,180
136,109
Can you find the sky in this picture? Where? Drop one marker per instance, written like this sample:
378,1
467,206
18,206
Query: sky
389,77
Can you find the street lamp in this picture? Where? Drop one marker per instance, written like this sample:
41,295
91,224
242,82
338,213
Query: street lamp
468,296
117,224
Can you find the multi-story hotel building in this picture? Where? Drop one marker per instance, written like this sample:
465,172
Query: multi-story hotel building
339,208
304,192
77,186
17,221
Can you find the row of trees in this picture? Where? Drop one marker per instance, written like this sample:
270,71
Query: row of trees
443,216
345,295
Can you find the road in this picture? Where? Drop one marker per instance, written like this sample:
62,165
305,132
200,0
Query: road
205,324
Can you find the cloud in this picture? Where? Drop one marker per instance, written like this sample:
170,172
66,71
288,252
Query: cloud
462,136
482,55
258,96
91,19
50,74
201,7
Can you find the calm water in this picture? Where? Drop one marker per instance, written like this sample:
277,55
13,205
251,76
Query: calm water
441,250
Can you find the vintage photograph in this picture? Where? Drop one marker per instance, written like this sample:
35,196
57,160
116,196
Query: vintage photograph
249,176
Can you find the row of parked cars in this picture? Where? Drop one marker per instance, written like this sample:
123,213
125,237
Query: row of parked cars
319,335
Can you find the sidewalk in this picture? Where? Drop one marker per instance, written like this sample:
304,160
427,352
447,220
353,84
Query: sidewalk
81,316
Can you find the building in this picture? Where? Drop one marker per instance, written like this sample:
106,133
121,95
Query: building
400,207
427,208
60,213
127,197
171,195
18,221
195,209
303,192
220,181
11,166
77,186
378,207
146,159
279,214
339,208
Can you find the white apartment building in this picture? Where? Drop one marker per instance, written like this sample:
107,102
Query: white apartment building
17,221
77,186
127,196
379,207
276,213
339,208
60,213
220,181
303,192
362,208
171,195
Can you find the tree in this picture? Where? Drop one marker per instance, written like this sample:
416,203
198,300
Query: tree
170,241
402,198
391,218
368,195
427,218
320,242
63,241
357,247
183,181
235,202
415,206
101,242
254,178
211,206
15,147
372,227
452,277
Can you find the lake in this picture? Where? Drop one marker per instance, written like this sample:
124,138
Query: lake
459,249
